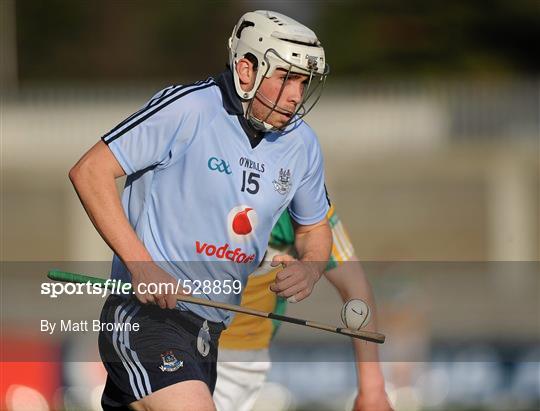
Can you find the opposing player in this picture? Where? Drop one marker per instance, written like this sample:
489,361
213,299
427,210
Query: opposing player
210,168
244,347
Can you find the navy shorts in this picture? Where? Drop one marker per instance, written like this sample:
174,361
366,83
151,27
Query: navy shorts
145,348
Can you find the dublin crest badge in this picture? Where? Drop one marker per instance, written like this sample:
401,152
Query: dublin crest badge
283,184
170,362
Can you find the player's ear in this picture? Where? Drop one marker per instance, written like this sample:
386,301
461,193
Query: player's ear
246,73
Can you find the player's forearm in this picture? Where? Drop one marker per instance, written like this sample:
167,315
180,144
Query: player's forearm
351,282
370,376
314,244
97,191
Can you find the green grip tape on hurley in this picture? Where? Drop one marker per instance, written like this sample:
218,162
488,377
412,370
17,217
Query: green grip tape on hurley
65,276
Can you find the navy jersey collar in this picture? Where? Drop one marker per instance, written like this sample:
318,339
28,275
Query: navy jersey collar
233,105
231,102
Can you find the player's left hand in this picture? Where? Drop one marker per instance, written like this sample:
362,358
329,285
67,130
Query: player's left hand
372,401
296,281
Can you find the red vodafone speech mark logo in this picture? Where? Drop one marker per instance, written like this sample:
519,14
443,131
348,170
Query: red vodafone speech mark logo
241,222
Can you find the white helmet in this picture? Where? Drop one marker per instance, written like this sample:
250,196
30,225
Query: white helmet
277,41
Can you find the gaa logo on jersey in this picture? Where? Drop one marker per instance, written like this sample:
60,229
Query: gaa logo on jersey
241,223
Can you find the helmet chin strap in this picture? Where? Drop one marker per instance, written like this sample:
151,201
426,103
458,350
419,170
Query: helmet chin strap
257,124
262,125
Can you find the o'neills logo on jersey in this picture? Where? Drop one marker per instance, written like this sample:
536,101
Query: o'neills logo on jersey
225,252
241,223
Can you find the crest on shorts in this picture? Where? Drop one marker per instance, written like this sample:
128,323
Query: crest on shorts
170,362
283,184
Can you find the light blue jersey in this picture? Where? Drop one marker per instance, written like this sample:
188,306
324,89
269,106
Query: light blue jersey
199,197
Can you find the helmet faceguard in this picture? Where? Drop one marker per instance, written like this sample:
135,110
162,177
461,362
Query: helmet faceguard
277,42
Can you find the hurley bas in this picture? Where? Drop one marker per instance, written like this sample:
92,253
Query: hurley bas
50,327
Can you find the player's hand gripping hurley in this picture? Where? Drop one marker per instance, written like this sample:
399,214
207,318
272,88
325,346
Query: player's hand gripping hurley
362,335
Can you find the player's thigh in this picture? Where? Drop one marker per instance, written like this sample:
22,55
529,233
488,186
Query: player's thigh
182,396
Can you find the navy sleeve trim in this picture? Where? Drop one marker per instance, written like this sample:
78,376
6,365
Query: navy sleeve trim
158,103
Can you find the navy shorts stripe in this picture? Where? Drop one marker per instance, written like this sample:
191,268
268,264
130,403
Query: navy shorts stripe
134,378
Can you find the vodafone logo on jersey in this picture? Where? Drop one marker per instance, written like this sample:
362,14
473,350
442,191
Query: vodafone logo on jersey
224,252
241,223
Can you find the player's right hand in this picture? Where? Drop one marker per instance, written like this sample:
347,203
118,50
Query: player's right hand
153,285
296,281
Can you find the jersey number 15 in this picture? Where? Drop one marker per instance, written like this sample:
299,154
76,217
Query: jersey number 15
250,184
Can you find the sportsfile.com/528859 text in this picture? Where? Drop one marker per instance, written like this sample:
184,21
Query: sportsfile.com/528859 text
193,287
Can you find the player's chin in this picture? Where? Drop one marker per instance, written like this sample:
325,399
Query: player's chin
280,120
